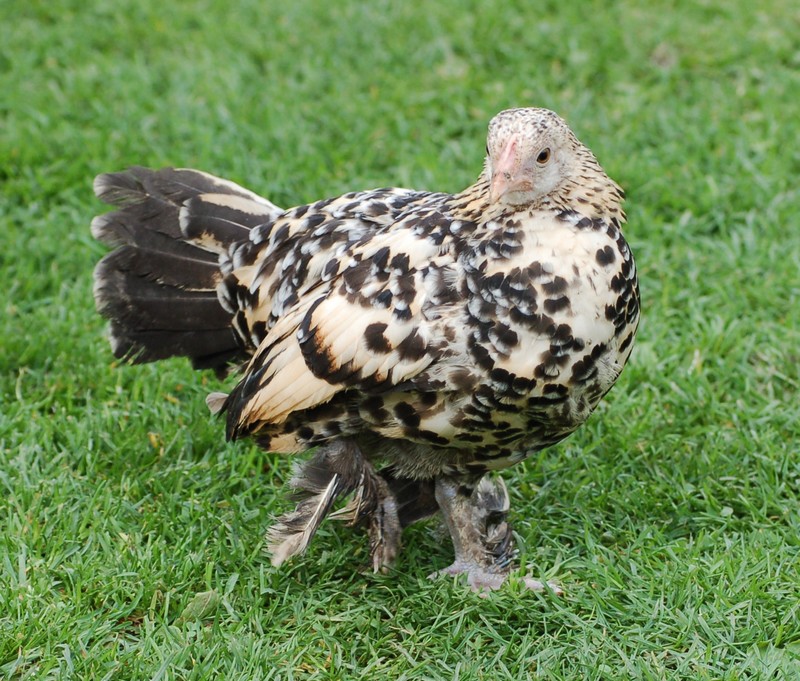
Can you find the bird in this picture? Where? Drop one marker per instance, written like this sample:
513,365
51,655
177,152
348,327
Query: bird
414,343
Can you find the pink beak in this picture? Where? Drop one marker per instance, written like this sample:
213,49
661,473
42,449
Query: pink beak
504,171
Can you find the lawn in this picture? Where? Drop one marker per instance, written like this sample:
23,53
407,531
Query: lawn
132,535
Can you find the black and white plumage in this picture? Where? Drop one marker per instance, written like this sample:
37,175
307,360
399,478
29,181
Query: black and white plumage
421,340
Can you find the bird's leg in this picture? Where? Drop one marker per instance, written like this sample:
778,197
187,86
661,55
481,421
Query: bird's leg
334,471
384,527
475,515
466,521
373,504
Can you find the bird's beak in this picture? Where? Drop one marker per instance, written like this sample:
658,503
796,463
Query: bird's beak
504,171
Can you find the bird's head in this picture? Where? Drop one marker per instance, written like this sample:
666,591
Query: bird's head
531,153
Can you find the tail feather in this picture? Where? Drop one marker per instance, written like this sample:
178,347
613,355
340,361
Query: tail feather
174,206
150,226
141,303
175,185
215,220
158,288
214,349
159,268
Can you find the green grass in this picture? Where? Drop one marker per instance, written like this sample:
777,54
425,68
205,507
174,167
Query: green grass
672,519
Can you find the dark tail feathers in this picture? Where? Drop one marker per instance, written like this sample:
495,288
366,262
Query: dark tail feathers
158,288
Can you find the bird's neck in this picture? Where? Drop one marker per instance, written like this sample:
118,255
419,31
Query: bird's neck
593,195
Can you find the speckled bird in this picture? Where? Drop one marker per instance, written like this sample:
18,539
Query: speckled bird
419,341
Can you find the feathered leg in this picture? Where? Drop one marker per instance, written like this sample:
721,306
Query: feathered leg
475,515
374,505
384,527
335,471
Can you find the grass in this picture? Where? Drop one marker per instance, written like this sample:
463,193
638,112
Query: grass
132,536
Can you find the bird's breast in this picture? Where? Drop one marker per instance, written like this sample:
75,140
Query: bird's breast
547,329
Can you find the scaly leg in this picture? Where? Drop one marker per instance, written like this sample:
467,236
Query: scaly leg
482,538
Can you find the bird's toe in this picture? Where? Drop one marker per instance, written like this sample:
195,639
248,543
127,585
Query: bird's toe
483,580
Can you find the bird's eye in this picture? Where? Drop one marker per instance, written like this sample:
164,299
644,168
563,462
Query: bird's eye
543,157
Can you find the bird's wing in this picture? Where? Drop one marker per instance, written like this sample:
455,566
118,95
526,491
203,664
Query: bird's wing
363,327
305,247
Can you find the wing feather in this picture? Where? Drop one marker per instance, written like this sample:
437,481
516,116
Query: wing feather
363,328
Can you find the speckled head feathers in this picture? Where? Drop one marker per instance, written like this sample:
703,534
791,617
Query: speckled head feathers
527,121
534,157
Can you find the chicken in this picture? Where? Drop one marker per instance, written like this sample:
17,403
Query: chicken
419,341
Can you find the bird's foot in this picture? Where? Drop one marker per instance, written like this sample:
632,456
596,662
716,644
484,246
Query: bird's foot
483,541
483,579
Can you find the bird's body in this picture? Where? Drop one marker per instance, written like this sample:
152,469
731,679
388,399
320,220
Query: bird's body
440,336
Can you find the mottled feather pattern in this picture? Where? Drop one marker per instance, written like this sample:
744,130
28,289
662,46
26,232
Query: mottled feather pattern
443,335
388,319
